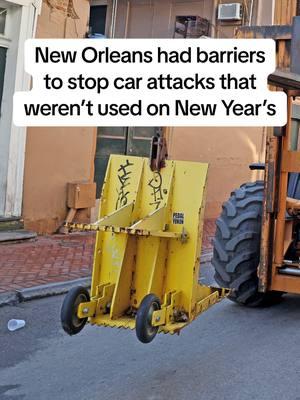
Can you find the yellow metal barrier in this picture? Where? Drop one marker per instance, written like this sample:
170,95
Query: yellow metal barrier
147,253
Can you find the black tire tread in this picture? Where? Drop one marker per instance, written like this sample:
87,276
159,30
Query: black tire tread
237,245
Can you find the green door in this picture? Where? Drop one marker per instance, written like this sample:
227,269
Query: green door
132,141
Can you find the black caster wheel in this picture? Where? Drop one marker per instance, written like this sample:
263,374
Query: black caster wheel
145,331
70,322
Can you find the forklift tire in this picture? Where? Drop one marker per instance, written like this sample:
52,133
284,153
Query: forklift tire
70,322
145,331
237,246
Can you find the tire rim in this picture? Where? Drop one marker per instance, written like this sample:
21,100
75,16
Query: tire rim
77,322
151,330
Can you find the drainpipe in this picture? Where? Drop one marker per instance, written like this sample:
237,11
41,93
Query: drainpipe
251,13
127,19
37,4
214,19
260,7
113,18
273,12
259,12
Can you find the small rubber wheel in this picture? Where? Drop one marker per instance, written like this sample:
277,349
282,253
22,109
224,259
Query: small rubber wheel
70,322
145,331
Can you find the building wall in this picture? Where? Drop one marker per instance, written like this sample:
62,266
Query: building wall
256,12
229,151
155,18
56,156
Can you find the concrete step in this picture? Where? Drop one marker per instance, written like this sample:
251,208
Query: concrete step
15,236
11,223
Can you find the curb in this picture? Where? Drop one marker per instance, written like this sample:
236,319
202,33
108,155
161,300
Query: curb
55,289
9,298
38,292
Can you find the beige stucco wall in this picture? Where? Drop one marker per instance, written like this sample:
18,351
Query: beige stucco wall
229,151
56,156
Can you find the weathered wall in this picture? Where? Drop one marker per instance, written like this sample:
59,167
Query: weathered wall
63,19
155,18
260,12
227,150
56,156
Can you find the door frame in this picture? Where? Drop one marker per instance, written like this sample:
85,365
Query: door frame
23,14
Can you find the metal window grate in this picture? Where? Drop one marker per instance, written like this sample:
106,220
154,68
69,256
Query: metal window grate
191,27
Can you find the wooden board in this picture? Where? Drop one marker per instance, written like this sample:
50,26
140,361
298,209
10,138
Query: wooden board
285,10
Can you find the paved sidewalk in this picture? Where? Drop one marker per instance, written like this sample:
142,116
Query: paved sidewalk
56,258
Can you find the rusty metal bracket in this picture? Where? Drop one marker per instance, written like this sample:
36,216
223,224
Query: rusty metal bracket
158,153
